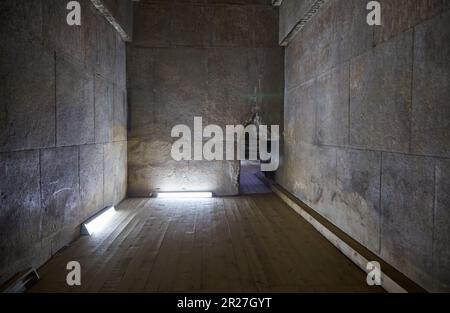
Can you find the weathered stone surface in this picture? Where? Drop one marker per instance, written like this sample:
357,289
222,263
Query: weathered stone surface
190,25
314,177
121,64
57,33
74,104
431,93
380,96
229,94
152,169
27,93
141,67
33,255
407,200
266,82
115,172
180,85
332,102
357,200
104,110
291,11
179,73
90,18
219,177
21,17
106,48
153,22
45,215
353,36
290,118
122,12
91,180
230,26
315,50
120,115
304,97
336,34
264,27
382,93
401,15
292,63
142,120
60,189
20,210
441,247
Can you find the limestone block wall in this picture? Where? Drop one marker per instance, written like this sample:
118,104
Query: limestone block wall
219,60
63,135
367,124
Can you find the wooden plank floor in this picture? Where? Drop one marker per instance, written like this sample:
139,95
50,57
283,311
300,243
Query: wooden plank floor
237,244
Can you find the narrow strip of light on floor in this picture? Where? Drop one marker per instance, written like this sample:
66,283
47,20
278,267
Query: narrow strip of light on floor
98,221
184,195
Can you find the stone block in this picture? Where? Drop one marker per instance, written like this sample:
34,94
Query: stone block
152,169
27,93
115,169
229,94
441,246
191,25
407,201
122,12
266,84
106,48
21,18
380,96
121,64
264,27
154,22
141,67
66,39
89,23
431,93
180,85
353,36
60,189
290,118
104,110
293,53
357,200
91,180
314,177
291,11
142,120
74,104
120,114
20,199
304,97
401,15
332,102
230,26
336,34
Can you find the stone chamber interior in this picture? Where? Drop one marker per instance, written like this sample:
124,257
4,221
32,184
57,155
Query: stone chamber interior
86,113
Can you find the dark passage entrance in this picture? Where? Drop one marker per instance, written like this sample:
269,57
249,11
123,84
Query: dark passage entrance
250,183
